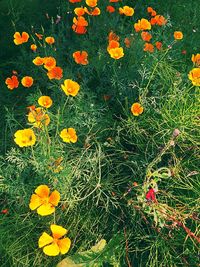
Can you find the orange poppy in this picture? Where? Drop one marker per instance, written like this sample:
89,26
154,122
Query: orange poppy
50,40
194,76
55,73
38,118
79,11
127,42
33,47
148,47
27,81
196,59
137,109
142,25
38,61
69,135
151,11
158,45
110,9
126,10
70,87
113,36
91,3
178,35
116,53
45,101
146,36
114,1
12,82
39,36
80,57
158,20
80,24
49,63
113,44
95,12
21,38
74,1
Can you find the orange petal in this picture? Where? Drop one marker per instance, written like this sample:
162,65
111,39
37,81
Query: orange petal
64,245
35,202
58,231
42,191
54,198
45,209
44,240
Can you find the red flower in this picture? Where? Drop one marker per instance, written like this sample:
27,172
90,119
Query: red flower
150,195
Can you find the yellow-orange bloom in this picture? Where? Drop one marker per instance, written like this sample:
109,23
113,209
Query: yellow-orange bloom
55,73
142,25
151,11
33,47
81,57
136,109
38,118
196,59
21,38
49,63
127,11
74,1
148,47
69,135
158,20
45,101
25,138
91,3
50,40
110,9
178,35
79,11
194,76
38,61
116,53
54,245
112,44
70,87
27,81
94,12
43,202
146,36
79,25
12,82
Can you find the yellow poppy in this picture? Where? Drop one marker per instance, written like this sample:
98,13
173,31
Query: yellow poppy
70,87
24,138
69,135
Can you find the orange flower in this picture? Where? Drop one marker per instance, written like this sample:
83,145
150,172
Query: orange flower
25,138
112,44
114,1
69,135
80,24
50,40
43,202
158,45
21,38
146,36
142,25
38,61
194,76
113,36
75,1
178,35
127,42
54,245
151,11
45,101
79,11
39,36
55,73
12,82
91,3
158,20
136,109
49,63
116,53
33,47
148,47
95,12
81,57
38,117
110,9
127,11
70,87
27,81
196,59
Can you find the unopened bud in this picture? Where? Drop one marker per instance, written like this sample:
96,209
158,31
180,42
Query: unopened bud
176,132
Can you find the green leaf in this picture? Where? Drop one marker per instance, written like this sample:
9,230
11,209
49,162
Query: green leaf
97,255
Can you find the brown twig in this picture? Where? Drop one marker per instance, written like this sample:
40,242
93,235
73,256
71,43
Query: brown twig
127,258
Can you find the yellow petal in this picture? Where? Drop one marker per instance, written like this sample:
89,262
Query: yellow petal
44,240
64,245
35,202
42,191
57,231
51,250
54,198
45,209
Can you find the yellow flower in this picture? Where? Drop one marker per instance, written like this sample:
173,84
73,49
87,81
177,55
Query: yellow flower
45,101
44,203
116,53
38,117
70,87
53,245
50,40
136,109
194,76
69,135
196,59
91,3
127,11
24,138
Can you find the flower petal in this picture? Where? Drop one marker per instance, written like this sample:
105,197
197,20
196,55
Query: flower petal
35,202
51,250
42,191
44,240
54,198
64,245
58,231
45,209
